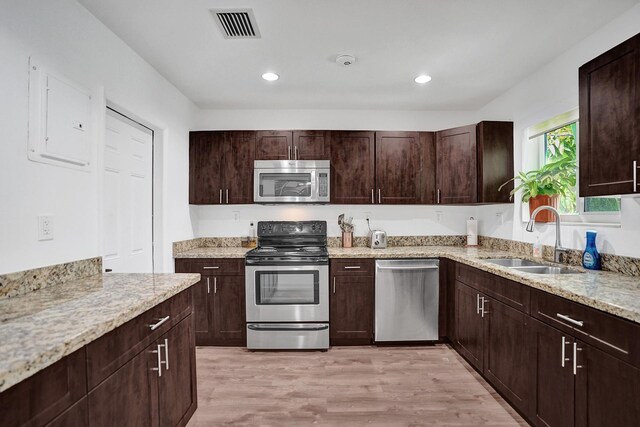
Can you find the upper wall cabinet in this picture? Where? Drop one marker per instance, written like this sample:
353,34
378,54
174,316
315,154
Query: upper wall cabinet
221,167
352,167
292,145
610,121
472,162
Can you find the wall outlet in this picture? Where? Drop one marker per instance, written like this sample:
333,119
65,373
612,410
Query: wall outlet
236,216
439,216
45,227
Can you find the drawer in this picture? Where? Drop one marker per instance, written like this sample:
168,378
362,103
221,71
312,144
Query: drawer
507,291
111,351
42,397
614,335
353,267
218,266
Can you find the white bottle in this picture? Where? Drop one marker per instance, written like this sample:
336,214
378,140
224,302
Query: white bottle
537,248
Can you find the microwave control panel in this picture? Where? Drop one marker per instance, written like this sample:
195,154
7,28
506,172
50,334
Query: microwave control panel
323,187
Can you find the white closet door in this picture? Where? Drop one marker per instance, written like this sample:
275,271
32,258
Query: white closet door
127,196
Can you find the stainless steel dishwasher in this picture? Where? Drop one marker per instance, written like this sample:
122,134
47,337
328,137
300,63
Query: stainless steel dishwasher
407,300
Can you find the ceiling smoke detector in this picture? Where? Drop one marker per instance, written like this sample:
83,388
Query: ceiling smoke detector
345,60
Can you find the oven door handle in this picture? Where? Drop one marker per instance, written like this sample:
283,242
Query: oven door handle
275,327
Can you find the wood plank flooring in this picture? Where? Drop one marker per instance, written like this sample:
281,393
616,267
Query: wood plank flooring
346,386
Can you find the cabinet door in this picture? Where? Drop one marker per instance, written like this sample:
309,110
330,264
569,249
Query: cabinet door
128,397
495,161
607,389
553,387
177,398
206,153
609,88
399,177
239,150
274,145
507,355
456,175
311,145
351,310
428,145
202,299
352,167
469,325
229,308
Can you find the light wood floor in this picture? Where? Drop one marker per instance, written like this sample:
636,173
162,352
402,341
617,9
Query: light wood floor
346,386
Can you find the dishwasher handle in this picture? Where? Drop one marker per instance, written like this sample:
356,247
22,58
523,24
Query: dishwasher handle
425,267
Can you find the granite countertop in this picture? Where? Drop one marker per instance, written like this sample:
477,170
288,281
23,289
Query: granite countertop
610,292
42,327
214,252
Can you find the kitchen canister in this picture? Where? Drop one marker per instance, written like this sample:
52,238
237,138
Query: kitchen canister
472,232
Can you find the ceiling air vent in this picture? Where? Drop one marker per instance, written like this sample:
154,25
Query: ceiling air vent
236,23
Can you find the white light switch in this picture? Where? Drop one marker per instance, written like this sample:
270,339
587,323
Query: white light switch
45,227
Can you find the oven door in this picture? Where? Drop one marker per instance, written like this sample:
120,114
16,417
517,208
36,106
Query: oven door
291,185
287,293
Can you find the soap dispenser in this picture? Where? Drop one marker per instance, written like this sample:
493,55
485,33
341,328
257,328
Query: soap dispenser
590,256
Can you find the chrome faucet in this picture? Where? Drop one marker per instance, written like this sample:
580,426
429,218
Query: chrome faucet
557,249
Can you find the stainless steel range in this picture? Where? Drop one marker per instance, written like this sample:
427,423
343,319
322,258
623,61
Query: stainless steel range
287,286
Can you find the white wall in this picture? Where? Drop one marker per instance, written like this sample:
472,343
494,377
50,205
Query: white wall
395,220
69,40
551,91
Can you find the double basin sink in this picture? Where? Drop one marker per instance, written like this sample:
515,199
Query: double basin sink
528,266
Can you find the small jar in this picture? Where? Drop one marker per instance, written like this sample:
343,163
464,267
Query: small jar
347,239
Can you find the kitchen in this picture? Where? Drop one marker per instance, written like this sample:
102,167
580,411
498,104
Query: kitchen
94,47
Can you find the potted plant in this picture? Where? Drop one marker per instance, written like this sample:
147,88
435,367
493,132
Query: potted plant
546,185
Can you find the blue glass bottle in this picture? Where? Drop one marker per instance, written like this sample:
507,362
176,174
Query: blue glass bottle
590,256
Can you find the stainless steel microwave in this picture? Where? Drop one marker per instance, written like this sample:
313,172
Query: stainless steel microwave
291,181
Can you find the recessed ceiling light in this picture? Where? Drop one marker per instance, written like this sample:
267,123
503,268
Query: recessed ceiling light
422,78
270,77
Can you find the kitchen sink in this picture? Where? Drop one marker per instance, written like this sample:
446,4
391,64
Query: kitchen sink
528,266
514,262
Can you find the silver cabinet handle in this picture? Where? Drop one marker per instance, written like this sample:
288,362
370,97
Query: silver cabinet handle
221,196
422,267
215,267
208,285
160,322
635,176
159,368
373,200
570,320
227,195
166,354
296,152
438,196
565,342
334,284
215,285
290,153
477,303
379,196
351,267
575,358
484,301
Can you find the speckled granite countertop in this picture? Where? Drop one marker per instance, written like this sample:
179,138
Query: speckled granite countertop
214,252
42,327
610,292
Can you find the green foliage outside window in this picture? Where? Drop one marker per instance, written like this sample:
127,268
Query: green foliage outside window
560,148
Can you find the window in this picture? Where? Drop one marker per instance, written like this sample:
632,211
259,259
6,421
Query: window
556,141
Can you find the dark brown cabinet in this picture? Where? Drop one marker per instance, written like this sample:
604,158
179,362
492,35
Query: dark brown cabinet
221,167
609,93
219,300
352,167
473,161
292,145
401,168
351,301
469,339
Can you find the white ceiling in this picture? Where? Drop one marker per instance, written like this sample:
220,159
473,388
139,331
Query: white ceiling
474,49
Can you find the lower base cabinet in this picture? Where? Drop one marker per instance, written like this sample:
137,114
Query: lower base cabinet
132,376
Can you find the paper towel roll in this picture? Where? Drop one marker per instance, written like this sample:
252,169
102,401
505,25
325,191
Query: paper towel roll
472,232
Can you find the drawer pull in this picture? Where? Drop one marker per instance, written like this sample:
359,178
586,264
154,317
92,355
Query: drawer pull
160,322
210,268
570,320
351,267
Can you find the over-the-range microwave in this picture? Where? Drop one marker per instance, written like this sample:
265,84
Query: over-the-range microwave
291,181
